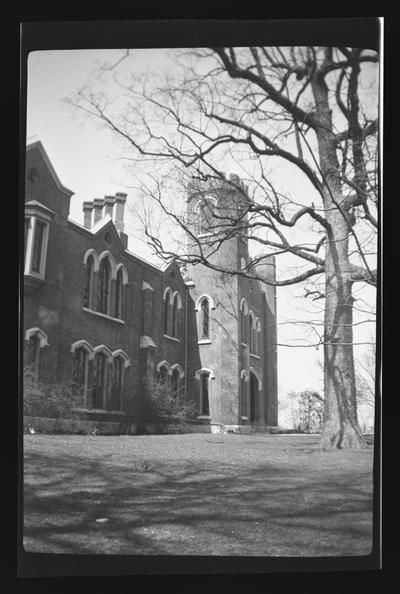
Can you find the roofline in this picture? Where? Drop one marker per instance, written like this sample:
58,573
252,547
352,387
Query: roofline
90,232
32,143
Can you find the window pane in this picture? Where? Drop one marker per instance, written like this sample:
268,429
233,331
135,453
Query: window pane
87,293
33,350
79,371
117,383
205,409
118,295
99,380
205,313
27,227
104,285
38,246
166,314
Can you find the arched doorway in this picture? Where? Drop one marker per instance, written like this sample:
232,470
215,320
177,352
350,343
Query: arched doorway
254,392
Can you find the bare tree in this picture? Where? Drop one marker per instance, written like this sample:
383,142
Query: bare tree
313,109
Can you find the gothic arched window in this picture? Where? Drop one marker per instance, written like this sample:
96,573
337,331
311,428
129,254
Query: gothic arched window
118,294
80,372
104,286
175,307
88,289
204,318
99,380
204,393
117,382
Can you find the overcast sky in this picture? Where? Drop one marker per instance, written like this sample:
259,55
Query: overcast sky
85,159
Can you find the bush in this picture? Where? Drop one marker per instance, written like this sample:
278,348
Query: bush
52,401
169,405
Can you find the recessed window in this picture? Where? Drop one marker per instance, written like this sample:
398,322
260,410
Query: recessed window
204,393
36,238
104,286
204,318
117,383
99,380
80,373
118,294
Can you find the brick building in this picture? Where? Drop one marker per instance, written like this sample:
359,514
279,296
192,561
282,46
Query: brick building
111,322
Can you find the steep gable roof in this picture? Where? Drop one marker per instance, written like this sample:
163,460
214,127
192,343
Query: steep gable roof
35,143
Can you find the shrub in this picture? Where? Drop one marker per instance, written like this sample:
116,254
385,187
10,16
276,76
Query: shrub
169,405
52,401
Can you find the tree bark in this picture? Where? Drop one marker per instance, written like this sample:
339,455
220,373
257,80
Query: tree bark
341,428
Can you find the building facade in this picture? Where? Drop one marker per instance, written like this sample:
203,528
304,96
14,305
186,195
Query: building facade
115,325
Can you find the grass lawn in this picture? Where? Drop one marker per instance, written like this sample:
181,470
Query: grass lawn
199,494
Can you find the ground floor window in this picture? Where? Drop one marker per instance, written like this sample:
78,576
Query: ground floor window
204,394
117,383
244,396
80,373
99,380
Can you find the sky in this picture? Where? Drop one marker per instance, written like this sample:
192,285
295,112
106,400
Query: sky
87,161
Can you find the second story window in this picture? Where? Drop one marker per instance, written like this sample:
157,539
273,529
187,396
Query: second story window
88,290
104,286
37,223
204,318
118,294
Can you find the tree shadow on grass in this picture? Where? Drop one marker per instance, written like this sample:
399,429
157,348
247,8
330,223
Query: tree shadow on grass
201,509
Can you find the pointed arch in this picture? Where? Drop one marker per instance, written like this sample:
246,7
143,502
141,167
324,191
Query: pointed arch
111,259
179,369
42,336
210,299
123,355
101,348
165,364
258,376
122,267
95,257
84,344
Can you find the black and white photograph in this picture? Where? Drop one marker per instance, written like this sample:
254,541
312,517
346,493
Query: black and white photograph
200,279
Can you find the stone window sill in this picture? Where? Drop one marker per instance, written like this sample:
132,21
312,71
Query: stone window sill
245,418
204,341
102,315
171,338
100,411
255,356
204,417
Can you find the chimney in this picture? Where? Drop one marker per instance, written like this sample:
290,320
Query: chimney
120,199
87,214
108,205
98,204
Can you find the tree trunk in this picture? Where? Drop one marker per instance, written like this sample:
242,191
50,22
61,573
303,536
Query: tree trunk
340,428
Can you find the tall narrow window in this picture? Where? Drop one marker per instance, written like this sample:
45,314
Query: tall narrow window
27,229
204,394
175,316
204,318
250,326
243,323
163,378
167,313
117,383
175,382
99,380
244,396
88,289
104,286
37,249
80,373
34,351
118,294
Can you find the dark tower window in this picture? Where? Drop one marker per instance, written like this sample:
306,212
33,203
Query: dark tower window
251,330
204,318
204,394
175,316
166,313
88,289
243,323
104,286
